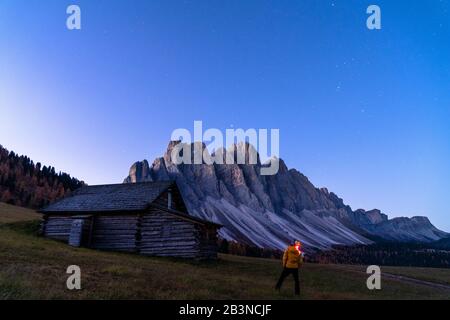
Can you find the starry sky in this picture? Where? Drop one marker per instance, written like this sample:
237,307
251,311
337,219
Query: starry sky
365,113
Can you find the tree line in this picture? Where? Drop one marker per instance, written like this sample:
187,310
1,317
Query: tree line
241,249
436,255
28,184
390,254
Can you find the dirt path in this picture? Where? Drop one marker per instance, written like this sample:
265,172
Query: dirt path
404,279
415,281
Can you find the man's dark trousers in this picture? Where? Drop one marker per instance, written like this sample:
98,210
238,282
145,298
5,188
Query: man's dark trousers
284,274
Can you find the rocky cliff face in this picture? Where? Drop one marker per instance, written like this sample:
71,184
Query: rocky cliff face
269,211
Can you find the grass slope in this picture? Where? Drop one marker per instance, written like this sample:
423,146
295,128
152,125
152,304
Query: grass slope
9,213
436,275
35,268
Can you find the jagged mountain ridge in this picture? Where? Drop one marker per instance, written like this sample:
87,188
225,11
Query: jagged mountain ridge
268,211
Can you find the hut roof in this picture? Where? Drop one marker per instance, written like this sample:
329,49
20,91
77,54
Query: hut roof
112,198
186,216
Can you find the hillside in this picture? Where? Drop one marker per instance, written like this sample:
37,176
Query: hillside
28,184
10,213
443,244
35,268
269,211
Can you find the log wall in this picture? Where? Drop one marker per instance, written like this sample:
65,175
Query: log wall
57,227
163,234
115,232
177,200
208,242
156,233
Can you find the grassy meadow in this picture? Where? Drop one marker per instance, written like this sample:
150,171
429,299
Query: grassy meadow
32,267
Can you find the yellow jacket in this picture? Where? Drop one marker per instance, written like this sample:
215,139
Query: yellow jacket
292,258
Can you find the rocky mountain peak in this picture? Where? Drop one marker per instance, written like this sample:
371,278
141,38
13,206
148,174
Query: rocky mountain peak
238,153
269,211
375,216
139,171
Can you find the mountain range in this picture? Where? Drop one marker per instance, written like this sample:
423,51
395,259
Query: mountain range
269,211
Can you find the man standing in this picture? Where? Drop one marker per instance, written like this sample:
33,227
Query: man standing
292,261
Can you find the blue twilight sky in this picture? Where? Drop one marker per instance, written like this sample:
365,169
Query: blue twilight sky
364,113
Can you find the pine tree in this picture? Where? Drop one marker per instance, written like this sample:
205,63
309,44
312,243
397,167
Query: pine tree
22,182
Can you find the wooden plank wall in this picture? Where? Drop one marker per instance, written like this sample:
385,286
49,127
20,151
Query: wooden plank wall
208,242
156,233
177,200
163,234
115,232
57,227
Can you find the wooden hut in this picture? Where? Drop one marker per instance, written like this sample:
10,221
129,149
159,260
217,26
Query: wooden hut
148,218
